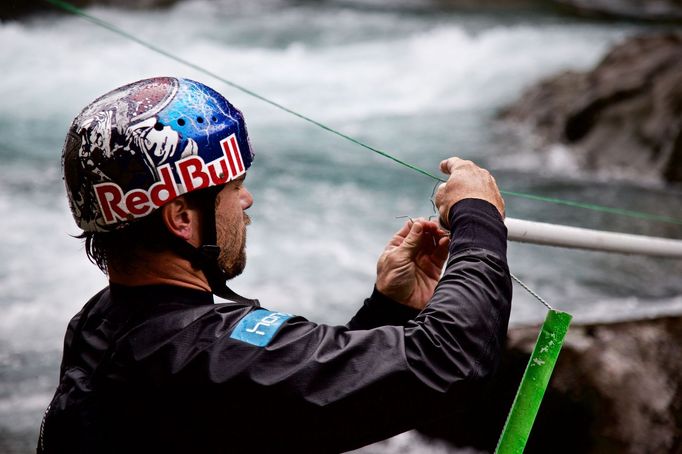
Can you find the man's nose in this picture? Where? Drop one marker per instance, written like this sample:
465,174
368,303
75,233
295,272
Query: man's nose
246,199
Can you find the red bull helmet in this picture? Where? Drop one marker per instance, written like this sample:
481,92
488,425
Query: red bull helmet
141,145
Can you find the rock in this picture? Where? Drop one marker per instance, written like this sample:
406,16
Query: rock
616,389
653,10
13,9
625,115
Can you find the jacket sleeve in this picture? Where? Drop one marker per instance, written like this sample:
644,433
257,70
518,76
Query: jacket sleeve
380,310
460,334
348,386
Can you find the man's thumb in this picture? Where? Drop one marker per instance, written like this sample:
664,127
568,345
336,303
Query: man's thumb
413,238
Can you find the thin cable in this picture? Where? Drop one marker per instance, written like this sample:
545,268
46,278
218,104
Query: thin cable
588,206
528,289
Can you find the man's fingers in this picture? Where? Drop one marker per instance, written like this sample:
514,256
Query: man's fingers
438,200
441,253
413,239
448,165
465,181
405,229
427,227
400,235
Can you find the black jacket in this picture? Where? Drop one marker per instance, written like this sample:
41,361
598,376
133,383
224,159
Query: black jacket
164,369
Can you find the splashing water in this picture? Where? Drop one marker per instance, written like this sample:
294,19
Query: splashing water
421,83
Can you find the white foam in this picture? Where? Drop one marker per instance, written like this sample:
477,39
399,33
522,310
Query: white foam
47,278
20,411
413,442
441,68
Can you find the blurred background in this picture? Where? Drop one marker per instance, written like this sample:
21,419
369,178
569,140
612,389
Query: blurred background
421,79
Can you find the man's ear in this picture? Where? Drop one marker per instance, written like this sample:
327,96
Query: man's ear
181,220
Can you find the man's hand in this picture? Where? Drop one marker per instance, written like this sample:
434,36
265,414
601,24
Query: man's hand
466,181
410,266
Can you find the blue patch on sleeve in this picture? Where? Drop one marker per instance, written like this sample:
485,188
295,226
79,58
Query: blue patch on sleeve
259,327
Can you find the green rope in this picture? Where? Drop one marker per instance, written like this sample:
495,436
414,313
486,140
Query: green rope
588,206
599,208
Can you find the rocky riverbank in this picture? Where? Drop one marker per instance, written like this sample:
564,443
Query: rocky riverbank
623,116
616,389
651,10
13,9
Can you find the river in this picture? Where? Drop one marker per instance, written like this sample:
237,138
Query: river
420,80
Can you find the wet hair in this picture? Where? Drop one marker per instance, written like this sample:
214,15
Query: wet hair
122,249
119,249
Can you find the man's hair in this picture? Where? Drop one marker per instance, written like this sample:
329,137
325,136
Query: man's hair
121,249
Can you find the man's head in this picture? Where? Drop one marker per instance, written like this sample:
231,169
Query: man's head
161,142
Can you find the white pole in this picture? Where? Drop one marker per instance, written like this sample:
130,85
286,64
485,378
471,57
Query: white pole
598,240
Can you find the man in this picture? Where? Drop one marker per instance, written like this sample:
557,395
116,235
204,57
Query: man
155,176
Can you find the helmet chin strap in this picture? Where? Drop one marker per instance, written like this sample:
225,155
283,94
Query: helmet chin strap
205,257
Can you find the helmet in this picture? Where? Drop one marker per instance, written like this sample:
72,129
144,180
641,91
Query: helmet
141,145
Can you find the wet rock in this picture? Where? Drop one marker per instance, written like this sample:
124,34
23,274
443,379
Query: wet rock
652,10
616,389
13,9
625,115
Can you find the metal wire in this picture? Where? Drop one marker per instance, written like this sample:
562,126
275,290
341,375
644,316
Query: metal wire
529,290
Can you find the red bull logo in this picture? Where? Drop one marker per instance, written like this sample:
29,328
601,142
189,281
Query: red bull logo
193,174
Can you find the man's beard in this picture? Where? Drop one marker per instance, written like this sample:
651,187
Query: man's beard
232,258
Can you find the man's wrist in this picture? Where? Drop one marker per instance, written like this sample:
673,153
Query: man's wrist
382,303
380,310
476,223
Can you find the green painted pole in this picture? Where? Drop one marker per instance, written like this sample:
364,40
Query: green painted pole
534,383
